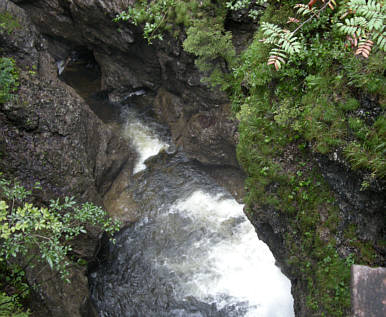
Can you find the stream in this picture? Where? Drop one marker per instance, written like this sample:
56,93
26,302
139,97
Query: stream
192,252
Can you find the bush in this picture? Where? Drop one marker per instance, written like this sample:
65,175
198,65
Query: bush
8,79
10,306
40,234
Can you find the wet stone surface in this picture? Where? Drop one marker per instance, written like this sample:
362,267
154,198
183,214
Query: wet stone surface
368,291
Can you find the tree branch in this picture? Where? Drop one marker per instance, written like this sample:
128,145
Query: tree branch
311,17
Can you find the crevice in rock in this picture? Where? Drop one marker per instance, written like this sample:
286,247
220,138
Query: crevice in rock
81,71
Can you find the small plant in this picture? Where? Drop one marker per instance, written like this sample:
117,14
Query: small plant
10,306
212,45
41,234
9,79
363,27
154,15
8,22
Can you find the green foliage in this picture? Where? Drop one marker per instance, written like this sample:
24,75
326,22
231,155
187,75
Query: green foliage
11,307
363,27
370,151
209,42
204,21
366,25
213,48
8,22
158,16
9,79
25,227
153,14
285,42
312,94
312,105
39,235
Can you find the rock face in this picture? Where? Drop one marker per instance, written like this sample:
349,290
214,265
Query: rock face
48,134
48,118
365,207
368,291
361,209
208,136
197,116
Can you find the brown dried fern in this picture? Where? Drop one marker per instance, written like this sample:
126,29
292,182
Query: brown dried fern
364,48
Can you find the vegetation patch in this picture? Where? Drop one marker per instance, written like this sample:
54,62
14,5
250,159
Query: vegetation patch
315,103
38,235
8,22
9,79
311,82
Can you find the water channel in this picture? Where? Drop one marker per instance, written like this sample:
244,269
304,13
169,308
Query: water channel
192,252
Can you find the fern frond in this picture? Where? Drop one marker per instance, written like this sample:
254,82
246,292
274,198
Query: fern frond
369,9
367,23
270,29
290,44
281,37
381,40
304,9
293,20
276,58
364,48
376,23
355,25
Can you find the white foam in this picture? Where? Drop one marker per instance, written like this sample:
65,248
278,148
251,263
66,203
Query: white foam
239,266
144,140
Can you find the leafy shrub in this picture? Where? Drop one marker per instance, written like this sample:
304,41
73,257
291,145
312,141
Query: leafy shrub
213,48
41,234
8,79
10,306
8,22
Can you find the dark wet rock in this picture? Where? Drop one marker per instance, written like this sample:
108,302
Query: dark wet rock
209,136
49,134
230,178
118,201
363,206
128,63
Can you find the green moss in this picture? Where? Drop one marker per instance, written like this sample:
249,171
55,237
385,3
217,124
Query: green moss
8,22
349,105
368,151
9,79
309,102
327,273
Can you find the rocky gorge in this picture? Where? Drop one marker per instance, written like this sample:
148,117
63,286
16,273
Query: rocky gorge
49,134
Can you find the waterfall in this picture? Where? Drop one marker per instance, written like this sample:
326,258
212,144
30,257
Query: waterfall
143,139
193,253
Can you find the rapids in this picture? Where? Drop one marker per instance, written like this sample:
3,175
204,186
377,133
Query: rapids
193,253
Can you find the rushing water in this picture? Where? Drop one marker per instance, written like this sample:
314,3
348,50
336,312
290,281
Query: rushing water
193,253
142,137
